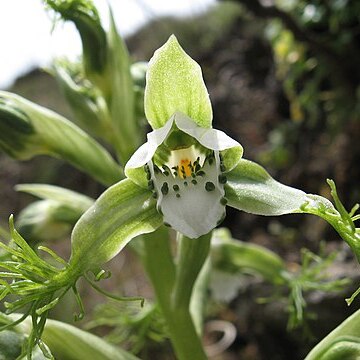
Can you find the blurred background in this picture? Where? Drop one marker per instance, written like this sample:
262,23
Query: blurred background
283,77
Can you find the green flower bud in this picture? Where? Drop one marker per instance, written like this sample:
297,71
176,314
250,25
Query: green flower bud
10,344
107,65
86,102
52,218
121,99
342,343
46,220
27,129
15,131
85,17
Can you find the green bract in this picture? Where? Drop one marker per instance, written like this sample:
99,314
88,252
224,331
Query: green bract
67,342
124,211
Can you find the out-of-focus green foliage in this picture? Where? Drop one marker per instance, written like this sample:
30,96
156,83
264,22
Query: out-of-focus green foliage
11,346
320,72
316,48
136,330
104,91
233,257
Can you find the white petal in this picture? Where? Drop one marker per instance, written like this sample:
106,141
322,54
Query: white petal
146,151
197,211
210,138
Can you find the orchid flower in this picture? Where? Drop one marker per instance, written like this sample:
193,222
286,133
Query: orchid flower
184,158
184,162
184,175
185,171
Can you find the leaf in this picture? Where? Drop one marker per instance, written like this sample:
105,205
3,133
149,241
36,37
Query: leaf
70,343
342,343
67,342
122,212
64,196
122,99
174,82
33,130
250,188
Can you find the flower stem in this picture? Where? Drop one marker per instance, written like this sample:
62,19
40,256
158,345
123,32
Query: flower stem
191,258
173,287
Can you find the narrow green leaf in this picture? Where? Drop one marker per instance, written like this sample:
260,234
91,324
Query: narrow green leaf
55,256
174,82
122,212
250,188
342,343
28,253
34,130
64,196
66,342
122,98
70,343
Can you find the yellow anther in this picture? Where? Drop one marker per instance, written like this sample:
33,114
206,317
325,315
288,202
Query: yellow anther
185,168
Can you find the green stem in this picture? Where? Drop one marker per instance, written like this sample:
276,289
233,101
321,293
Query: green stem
191,258
183,336
159,264
167,281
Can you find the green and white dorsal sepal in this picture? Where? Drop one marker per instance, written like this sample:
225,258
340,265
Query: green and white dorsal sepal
185,171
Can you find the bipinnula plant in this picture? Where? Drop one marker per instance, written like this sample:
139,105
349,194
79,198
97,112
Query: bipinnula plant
180,181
